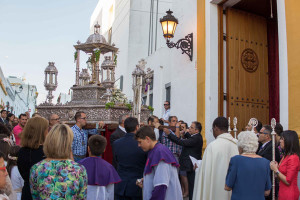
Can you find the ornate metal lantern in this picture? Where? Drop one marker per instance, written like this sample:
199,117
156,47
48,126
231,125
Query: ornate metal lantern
50,82
84,77
89,64
108,69
169,24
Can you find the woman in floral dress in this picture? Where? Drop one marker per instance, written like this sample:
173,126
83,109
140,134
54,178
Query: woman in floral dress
58,177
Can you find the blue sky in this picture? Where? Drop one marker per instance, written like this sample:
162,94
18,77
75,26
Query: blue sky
35,32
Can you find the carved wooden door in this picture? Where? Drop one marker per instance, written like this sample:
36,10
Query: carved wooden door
247,67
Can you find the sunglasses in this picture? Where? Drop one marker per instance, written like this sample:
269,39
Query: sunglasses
166,104
263,133
3,168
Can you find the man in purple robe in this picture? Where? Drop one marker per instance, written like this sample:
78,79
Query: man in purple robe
160,180
101,175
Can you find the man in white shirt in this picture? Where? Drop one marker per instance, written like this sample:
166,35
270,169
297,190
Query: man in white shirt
166,114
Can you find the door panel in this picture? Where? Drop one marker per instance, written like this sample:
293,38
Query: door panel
247,67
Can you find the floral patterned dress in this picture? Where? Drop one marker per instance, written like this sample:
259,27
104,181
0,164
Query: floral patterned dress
58,179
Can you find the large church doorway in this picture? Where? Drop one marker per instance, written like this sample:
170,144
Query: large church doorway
250,62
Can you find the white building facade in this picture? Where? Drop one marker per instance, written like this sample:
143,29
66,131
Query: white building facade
218,81
133,26
16,96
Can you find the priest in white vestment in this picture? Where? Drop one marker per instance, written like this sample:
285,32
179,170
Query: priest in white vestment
210,179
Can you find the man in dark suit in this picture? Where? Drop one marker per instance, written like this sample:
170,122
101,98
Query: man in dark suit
265,150
3,117
120,131
131,161
192,146
117,134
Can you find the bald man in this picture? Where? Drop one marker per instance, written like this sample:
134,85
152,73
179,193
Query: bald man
53,119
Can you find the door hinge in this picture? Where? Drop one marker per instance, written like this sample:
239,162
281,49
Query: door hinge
225,96
224,36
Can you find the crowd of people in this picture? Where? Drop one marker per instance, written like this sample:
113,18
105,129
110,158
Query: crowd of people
46,159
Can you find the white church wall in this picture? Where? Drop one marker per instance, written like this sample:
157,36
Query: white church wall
177,69
130,30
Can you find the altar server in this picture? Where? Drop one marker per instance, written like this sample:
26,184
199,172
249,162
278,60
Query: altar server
160,180
101,175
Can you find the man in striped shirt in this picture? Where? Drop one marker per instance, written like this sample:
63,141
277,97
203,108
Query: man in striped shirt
174,148
79,145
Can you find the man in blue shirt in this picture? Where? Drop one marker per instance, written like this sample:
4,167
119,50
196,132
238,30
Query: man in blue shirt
79,145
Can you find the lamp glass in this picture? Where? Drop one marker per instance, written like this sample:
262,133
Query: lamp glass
89,63
168,28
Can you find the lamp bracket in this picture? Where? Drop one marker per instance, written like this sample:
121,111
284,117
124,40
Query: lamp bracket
185,44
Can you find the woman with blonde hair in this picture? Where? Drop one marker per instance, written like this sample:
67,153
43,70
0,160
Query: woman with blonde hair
58,177
32,140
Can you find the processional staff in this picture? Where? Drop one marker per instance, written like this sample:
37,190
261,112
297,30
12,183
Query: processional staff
229,129
273,124
234,126
253,122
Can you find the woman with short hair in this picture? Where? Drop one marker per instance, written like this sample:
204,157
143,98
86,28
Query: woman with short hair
248,174
58,177
32,140
289,166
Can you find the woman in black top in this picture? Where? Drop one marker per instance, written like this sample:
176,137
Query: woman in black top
32,139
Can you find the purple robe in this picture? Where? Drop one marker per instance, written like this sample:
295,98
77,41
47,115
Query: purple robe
99,171
157,154
163,161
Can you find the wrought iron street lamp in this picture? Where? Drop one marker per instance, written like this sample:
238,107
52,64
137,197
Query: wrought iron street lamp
169,24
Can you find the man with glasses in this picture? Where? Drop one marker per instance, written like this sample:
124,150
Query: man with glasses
79,145
192,146
265,151
166,114
53,119
174,148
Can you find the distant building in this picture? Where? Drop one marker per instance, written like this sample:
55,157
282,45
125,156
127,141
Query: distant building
16,96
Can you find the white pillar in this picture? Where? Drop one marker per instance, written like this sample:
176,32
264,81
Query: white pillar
283,66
